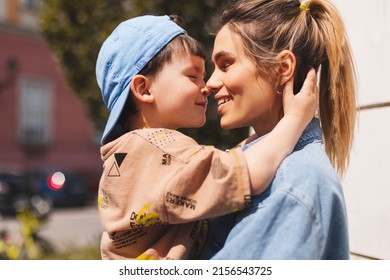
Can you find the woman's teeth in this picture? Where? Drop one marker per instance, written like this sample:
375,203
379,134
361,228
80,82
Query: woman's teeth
223,100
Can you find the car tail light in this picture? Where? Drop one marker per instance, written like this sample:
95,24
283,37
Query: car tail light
56,181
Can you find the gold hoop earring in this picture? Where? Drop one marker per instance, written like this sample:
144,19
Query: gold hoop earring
278,91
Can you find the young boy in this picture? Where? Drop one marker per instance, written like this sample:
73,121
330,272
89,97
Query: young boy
157,184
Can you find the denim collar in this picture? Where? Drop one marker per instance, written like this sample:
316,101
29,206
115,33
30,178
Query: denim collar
312,133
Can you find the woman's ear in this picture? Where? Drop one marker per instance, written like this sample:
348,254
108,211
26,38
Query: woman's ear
140,86
287,63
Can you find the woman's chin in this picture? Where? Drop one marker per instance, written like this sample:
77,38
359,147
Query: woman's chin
227,125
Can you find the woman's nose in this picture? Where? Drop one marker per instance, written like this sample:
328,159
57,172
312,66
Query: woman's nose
214,84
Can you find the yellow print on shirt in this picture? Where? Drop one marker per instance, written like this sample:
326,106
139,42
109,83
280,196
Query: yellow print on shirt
146,219
145,256
102,201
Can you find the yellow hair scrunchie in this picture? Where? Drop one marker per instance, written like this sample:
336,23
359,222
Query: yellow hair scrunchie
304,6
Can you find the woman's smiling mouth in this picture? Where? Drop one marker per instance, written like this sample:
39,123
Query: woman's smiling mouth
224,100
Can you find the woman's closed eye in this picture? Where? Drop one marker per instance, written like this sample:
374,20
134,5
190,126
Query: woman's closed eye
224,64
223,60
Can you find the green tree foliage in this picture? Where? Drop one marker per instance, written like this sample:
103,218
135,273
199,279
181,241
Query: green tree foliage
76,29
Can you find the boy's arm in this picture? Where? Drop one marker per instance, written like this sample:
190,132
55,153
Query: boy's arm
264,157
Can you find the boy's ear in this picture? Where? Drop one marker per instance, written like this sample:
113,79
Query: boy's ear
287,63
140,86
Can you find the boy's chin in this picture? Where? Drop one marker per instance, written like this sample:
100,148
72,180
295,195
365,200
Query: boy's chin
200,123
195,125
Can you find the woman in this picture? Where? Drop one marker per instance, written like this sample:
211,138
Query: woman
259,46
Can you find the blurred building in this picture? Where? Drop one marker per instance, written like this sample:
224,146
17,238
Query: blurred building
42,123
367,184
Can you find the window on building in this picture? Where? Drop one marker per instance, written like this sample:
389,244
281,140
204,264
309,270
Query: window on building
29,5
35,111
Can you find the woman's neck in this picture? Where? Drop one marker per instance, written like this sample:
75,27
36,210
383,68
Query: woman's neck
264,127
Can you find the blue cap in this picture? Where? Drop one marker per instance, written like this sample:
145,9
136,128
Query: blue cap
123,55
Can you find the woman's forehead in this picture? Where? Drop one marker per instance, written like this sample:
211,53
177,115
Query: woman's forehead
227,43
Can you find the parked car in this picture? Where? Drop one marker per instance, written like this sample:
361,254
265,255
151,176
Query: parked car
63,188
13,190
91,179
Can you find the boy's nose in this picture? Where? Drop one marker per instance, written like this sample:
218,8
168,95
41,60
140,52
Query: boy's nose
205,91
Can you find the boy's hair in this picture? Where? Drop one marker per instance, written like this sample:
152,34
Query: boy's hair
181,45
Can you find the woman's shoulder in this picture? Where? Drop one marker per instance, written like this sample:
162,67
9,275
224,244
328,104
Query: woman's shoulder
309,161
308,176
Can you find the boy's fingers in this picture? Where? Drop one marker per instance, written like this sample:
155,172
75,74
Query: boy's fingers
310,82
289,87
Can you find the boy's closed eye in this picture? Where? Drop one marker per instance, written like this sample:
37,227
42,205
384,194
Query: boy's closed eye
195,77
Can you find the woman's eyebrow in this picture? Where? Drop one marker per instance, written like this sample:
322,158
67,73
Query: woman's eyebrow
219,54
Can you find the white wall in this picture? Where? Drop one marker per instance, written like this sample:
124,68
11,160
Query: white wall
367,182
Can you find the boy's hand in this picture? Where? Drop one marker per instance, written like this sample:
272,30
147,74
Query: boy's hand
299,110
304,104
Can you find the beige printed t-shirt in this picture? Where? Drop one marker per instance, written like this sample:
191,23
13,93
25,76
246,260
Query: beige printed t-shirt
156,185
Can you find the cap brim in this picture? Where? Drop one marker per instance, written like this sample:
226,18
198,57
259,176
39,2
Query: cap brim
112,129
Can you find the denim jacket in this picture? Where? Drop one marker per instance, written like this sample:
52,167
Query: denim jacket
301,215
